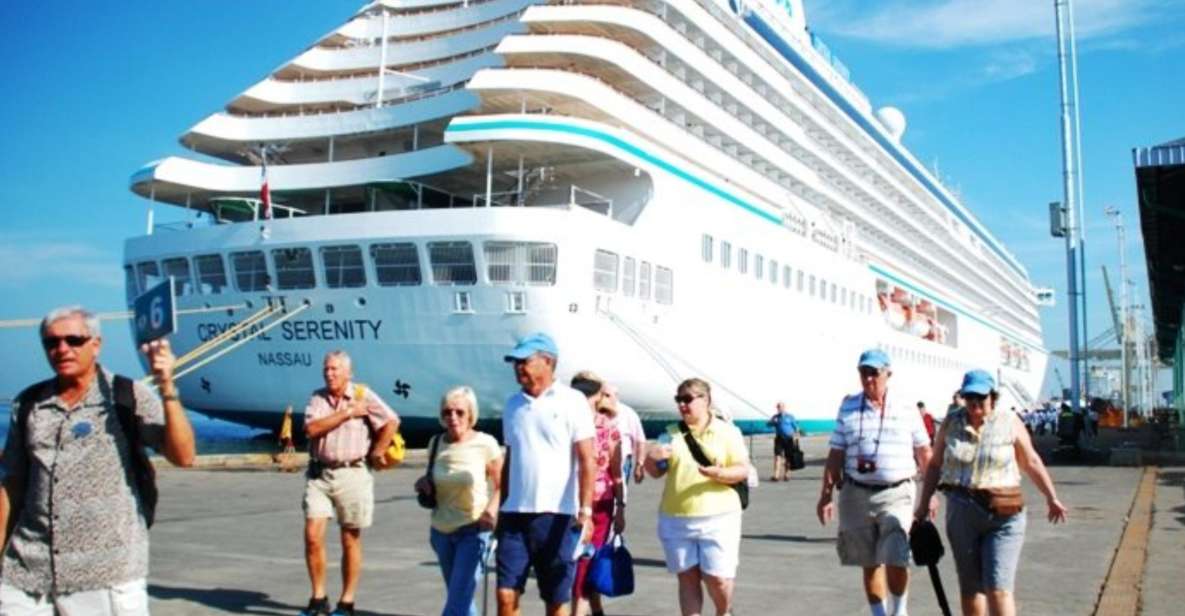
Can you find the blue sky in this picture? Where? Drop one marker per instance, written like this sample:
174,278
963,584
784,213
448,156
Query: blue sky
96,90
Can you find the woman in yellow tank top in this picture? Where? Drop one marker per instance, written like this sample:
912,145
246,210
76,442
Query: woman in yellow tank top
980,452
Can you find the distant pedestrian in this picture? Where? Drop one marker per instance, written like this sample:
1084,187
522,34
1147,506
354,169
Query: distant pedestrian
927,420
465,482
633,437
876,449
349,428
785,441
550,470
956,403
608,502
78,491
983,452
699,519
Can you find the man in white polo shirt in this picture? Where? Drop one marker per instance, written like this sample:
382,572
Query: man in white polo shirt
876,449
549,474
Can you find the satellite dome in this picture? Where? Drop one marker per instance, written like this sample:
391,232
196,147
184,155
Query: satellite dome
893,121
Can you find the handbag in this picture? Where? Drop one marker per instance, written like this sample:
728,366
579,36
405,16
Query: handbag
797,458
611,572
741,487
426,500
1004,502
396,451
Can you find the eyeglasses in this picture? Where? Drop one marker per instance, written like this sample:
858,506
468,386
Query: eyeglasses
51,342
687,398
452,412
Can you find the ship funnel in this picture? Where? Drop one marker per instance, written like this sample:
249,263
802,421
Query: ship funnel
893,121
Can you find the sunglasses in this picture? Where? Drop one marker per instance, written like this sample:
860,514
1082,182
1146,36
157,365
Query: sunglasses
686,398
975,398
867,371
51,342
452,413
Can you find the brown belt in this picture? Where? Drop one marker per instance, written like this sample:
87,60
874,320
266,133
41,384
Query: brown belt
360,462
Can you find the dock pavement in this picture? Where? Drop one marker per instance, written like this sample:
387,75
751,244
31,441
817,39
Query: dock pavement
228,541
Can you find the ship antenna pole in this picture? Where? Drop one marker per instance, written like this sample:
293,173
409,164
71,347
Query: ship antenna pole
1079,174
1071,209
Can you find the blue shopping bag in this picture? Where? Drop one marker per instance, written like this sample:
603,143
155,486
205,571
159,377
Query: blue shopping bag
611,572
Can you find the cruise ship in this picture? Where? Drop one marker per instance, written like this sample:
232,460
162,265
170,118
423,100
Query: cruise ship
670,188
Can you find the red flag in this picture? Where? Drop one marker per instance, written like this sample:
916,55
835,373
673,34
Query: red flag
265,194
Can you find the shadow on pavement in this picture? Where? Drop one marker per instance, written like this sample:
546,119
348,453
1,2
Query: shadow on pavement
1174,479
236,601
789,538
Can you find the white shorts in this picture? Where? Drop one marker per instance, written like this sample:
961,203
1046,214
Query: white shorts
127,599
711,542
345,493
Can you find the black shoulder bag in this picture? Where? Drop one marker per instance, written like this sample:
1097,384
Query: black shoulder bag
428,501
742,486
143,474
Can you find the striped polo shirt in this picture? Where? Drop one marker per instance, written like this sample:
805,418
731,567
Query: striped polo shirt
350,441
861,431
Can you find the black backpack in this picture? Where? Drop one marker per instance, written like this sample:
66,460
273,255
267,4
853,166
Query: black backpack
143,473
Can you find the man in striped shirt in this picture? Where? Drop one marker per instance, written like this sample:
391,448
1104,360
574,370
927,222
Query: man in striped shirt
876,449
349,427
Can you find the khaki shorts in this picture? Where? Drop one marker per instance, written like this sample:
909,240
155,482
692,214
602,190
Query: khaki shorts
345,493
874,525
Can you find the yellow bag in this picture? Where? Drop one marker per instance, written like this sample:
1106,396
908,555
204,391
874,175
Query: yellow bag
396,451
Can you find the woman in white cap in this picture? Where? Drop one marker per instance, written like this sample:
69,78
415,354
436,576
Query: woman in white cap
980,452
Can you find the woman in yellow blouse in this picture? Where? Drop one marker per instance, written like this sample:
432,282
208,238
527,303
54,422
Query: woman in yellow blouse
980,452
699,519
465,481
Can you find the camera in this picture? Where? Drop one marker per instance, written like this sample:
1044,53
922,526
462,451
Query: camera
865,465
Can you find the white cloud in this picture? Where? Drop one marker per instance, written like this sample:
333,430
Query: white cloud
30,259
942,24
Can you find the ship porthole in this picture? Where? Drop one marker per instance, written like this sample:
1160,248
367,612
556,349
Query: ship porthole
360,302
248,304
308,302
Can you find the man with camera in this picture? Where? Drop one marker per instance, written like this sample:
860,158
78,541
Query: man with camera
876,449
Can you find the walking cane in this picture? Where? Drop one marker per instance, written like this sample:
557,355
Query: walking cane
485,581
926,545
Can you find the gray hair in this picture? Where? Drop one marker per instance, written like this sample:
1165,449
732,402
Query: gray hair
340,355
89,320
465,394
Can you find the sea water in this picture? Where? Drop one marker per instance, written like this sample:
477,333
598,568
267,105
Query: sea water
213,435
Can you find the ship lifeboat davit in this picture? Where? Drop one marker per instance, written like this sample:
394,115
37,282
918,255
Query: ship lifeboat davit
893,120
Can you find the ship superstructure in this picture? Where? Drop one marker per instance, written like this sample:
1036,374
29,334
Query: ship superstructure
671,188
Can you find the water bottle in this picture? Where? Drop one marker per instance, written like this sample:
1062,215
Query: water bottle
664,440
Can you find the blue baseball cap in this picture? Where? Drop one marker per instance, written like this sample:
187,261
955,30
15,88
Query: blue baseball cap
979,382
530,344
874,358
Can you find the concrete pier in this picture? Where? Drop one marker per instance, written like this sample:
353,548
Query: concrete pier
229,542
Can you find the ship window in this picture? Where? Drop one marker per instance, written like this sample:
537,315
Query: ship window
707,248
743,260
758,267
605,271
250,270
129,283
294,268
725,255
843,296
178,268
627,277
396,265
147,274
520,263
452,263
833,293
211,273
801,278
812,287
786,276
664,285
343,267
773,271
644,281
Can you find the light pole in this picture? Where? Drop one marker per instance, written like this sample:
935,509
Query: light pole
1070,228
1125,330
